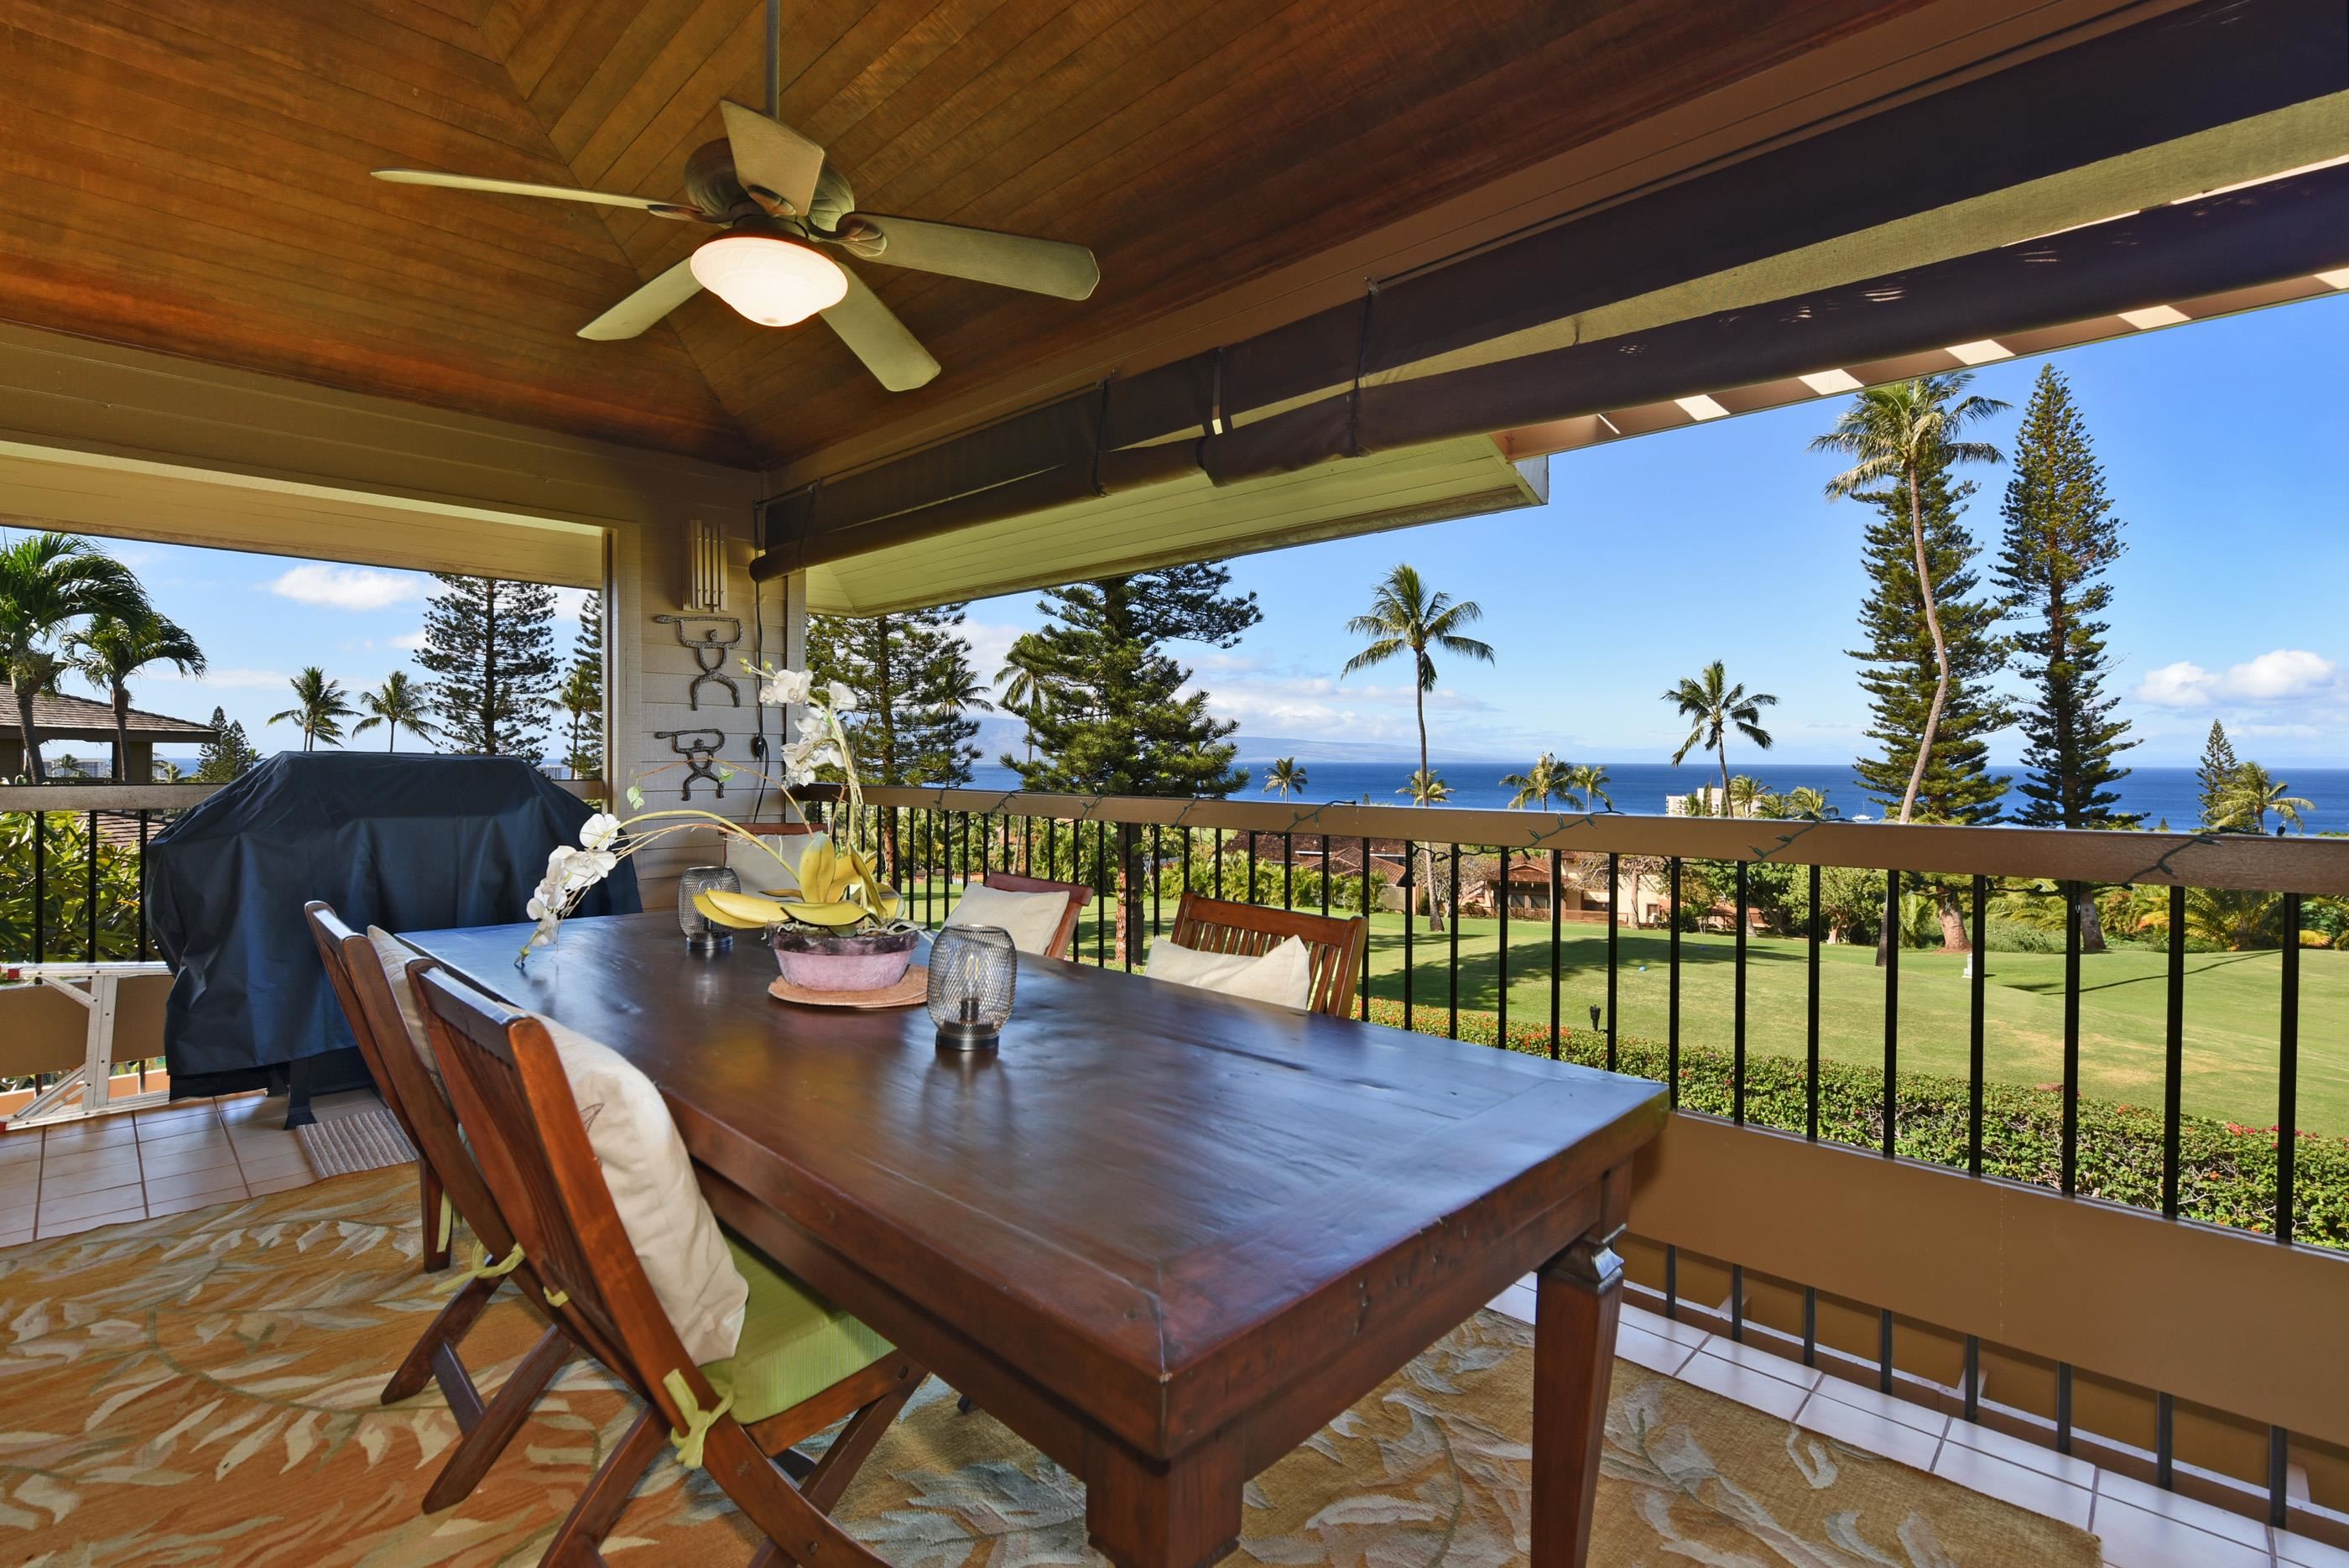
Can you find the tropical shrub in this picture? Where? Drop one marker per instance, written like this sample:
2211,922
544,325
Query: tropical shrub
63,908
2226,1172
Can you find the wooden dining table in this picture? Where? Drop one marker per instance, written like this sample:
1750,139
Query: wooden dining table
1162,1235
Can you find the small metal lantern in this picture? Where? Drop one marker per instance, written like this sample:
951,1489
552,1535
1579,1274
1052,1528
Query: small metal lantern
700,936
972,972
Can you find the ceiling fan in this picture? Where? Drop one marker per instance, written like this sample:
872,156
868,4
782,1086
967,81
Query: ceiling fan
785,210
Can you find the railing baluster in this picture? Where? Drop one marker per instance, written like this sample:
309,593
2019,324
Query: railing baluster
1737,1006
2173,1091
1027,845
1288,870
1672,1281
2280,1464
1810,1326
1811,1018
1410,912
2063,1407
2288,1073
1365,984
1250,897
40,884
2165,1440
1892,935
1102,918
1614,947
1973,1377
1501,911
1328,873
143,817
1672,994
1557,945
1884,1351
89,887
1737,1304
1219,863
1186,869
1979,967
1157,879
1452,975
2071,1172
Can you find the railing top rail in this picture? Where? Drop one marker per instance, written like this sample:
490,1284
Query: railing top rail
98,797
2245,861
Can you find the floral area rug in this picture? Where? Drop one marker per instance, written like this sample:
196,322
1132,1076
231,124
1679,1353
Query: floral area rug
201,1390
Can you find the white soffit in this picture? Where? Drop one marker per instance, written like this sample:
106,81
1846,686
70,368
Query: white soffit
1185,519
125,498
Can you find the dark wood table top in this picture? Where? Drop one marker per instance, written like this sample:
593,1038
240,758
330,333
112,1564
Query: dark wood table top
1149,1193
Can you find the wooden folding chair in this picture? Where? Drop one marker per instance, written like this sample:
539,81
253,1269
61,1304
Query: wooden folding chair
1216,926
1064,935
451,1186
782,1384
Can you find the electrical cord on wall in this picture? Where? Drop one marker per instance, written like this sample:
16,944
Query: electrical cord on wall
759,709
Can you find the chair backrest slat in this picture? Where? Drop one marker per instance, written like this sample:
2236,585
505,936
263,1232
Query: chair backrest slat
1064,935
355,971
513,1097
1218,926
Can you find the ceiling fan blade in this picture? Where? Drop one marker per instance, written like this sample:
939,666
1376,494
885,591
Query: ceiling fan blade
647,305
983,255
771,155
875,335
516,188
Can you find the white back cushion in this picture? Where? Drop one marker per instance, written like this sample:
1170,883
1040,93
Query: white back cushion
668,1223
1284,975
396,956
1031,919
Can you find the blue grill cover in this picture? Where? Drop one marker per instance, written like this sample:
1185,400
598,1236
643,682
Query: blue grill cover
410,843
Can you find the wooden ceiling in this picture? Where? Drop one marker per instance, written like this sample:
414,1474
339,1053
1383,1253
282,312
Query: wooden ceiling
191,175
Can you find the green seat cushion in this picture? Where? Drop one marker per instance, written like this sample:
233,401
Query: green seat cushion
794,1346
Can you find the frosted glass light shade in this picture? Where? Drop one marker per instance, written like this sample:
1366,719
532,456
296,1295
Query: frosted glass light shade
772,280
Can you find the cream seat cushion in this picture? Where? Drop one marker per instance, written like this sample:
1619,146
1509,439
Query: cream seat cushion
676,1236
1284,975
396,956
1031,919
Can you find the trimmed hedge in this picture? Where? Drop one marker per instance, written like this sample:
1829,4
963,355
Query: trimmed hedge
2227,1172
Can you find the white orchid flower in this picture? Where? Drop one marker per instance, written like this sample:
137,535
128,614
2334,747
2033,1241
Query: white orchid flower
841,699
786,688
598,831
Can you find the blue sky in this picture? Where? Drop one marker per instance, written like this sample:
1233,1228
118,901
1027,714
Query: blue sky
2222,443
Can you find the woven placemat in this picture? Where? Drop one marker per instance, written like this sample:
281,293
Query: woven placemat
363,1140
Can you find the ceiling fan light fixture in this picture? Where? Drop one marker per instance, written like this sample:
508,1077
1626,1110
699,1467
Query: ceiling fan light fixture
769,278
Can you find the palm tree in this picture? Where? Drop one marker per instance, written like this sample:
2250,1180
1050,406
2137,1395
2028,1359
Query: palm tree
112,649
1806,804
1405,617
1538,786
1716,707
318,708
1587,781
1745,794
1426,789
1024,690
47,582
399,700
169,772
2252,794
1899,433
1284,777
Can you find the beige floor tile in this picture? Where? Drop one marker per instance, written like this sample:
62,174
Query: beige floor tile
158,1120
1517,1302
68,1137
1933,1423
16,1235
1770,1396
2300,1552
1663,1327
50,1230
2185,1511
19,1192
90,1177
1645,1349
261,1187
182,1135
276,1162
200,1178
1863,1429
20,1146
2134,1538
2030,1490
2016,1451
176,1157
1761,1361
181,1202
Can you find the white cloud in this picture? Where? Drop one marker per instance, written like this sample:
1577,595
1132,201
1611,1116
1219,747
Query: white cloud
411,643
2273,677
2178,685
990,643
219,680
346,587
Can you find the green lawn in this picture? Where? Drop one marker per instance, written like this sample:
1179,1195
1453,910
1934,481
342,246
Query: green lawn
2232,1009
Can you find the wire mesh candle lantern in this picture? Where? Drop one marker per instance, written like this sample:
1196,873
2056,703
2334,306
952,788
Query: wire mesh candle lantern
700,936
972,971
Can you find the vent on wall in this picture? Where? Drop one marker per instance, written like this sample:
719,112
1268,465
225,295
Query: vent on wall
705,567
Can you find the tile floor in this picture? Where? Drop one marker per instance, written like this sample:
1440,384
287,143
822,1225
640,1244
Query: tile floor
63,1179
140,1165
2142,1526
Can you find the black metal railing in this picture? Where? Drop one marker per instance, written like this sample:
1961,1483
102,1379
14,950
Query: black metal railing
1941,1084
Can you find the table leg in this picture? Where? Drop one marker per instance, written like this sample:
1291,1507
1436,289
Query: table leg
1185,1514
1580,1292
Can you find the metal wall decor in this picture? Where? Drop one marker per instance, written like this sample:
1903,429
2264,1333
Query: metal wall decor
709,652
700,750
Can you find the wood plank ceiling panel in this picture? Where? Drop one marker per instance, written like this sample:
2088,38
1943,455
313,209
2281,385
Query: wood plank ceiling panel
189,175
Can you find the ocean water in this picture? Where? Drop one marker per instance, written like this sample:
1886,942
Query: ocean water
2158,794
